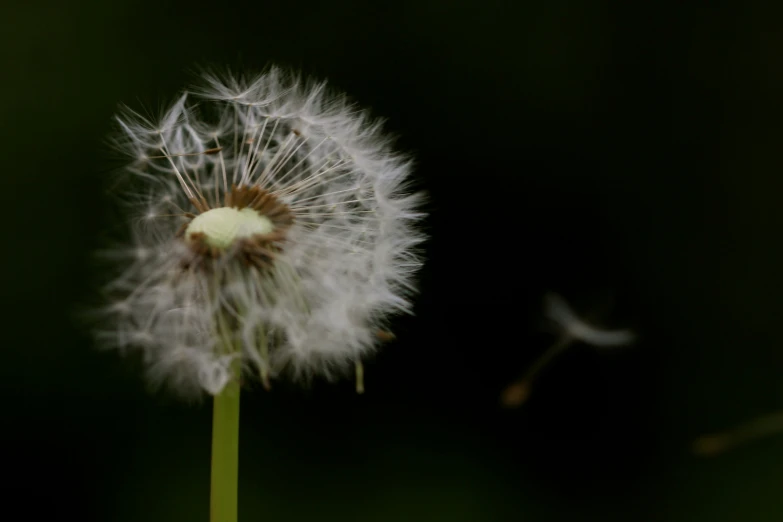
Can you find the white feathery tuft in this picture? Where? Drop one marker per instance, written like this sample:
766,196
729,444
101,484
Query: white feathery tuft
346,263
575,328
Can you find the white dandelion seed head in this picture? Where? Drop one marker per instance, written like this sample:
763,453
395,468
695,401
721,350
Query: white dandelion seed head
275,230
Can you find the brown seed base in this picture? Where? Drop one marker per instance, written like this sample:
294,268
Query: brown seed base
258,250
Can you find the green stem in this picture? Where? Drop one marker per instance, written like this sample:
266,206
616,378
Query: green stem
225,454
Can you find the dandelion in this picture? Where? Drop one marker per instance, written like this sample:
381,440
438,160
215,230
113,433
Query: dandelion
274,237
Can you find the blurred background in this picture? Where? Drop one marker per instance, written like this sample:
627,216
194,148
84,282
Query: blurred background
614,153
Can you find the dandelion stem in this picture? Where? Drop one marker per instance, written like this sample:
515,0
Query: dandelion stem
225,454
359,377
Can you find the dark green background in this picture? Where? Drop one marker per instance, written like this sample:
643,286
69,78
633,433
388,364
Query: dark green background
599,149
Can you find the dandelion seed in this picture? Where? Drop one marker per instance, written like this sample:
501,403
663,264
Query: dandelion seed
576,329
759,428
279,238
572,329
